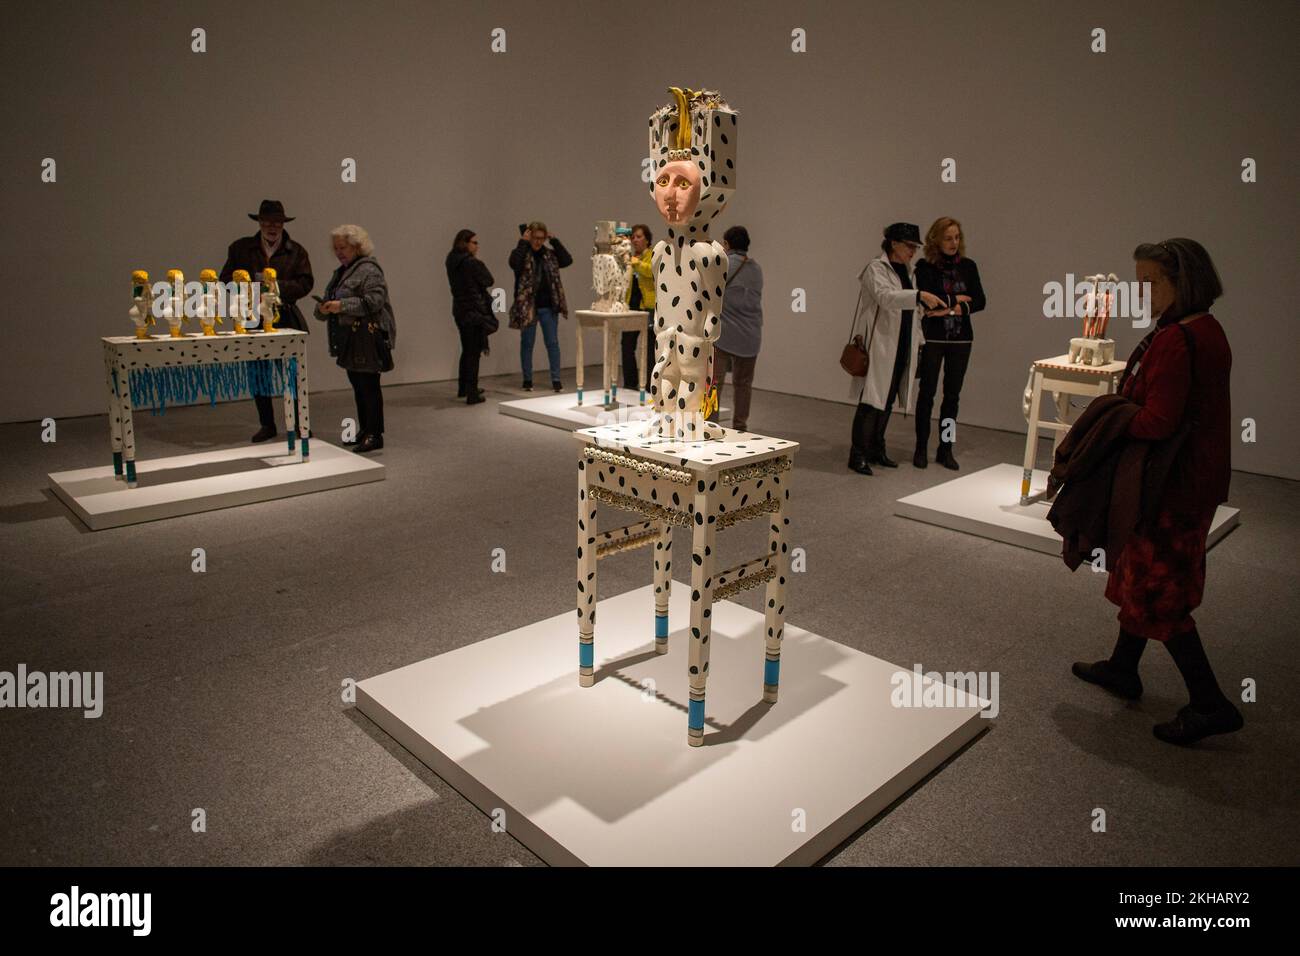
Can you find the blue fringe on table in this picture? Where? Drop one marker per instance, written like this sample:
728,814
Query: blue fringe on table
184,384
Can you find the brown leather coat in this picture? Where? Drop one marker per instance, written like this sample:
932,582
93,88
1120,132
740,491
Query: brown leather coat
292,268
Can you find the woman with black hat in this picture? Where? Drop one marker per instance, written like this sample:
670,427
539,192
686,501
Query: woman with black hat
889,298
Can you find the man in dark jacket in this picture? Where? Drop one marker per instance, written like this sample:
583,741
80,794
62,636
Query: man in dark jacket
271,246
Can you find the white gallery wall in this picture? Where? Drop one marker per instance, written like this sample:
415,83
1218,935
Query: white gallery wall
1065,160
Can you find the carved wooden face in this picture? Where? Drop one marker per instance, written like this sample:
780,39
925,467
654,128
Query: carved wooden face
677,191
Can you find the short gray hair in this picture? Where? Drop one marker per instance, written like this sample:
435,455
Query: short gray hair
354,236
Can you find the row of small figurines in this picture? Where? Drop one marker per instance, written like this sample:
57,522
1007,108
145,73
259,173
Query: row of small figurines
249,305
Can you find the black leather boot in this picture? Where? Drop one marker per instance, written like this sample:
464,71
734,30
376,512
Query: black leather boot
944,456
1210,711
919,457
858,463
1191,725
1118,674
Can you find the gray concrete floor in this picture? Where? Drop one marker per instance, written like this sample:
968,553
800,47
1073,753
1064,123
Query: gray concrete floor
223,689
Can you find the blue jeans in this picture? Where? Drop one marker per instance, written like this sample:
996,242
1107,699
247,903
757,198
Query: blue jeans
550,324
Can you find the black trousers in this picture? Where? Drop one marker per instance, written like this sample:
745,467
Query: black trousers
471,351
954,357
370,402
629,354
869,422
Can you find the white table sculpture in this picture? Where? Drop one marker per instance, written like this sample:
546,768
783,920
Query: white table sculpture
612,325
1060,377
609,267
225,365
706,486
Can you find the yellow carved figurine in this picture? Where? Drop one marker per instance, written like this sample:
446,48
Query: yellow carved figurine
209,314
239,306
270,304
174,311
141,313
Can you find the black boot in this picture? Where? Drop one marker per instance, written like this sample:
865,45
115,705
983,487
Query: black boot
858,463
859,440
919,457
944,456
881,458
1210,711
1118,674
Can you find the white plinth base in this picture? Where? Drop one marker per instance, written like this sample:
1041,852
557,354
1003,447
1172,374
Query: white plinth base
603,775
562,410
987,503
188,484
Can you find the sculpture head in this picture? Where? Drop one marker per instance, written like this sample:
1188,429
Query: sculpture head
693,155
677,192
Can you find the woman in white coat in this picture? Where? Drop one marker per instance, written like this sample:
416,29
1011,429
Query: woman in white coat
889,298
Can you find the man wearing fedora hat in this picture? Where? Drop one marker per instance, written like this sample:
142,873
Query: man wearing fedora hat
271,246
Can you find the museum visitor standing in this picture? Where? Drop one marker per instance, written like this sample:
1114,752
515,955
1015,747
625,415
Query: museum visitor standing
471,309
945,271
885,308
640,297
1178,376
539,297
362,328
271,247
742,326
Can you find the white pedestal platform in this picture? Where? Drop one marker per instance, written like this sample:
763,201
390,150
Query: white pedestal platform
206,481
601,775
562,409
987,503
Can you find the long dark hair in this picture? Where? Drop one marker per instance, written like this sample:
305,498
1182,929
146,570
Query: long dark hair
1191,270
461,242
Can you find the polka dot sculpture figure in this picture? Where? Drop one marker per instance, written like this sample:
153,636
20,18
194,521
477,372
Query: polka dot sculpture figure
693,157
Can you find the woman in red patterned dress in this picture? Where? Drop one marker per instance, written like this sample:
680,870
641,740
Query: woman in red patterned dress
1178,375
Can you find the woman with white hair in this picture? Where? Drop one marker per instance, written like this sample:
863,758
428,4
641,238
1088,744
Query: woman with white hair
362,331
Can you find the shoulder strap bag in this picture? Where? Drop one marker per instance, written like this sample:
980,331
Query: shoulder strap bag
855,357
